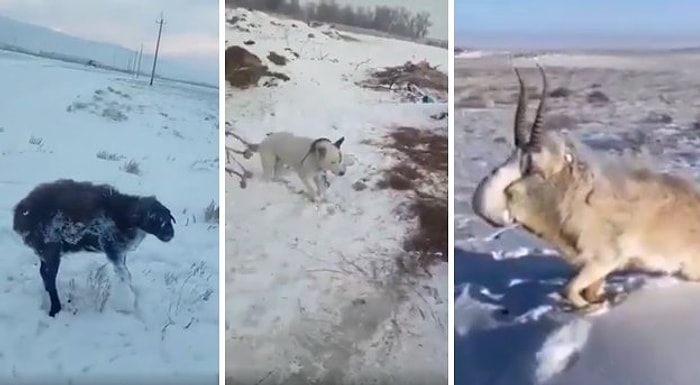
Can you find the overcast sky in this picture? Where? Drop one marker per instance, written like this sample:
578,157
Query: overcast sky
438,10
191,32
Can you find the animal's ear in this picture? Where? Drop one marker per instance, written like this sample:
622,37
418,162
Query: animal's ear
339,142
569,157
321,151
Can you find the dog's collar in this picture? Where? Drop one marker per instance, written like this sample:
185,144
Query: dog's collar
312,148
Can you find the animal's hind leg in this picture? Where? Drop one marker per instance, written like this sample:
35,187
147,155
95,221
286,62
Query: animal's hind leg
50,262
269,164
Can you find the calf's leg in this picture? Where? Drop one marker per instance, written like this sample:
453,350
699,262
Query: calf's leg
118,259
50,262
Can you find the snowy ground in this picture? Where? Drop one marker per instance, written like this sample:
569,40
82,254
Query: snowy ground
62,121
309,292
652,337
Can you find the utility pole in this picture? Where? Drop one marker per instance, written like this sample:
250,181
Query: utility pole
138,62
160,23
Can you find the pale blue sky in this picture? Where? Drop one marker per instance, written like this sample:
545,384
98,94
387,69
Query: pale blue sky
192,32
576,23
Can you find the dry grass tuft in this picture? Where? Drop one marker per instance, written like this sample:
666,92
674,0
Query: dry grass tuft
132,167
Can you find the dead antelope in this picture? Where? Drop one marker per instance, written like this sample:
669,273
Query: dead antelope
600,219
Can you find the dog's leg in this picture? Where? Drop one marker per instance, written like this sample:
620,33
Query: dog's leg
279,166
307,184
50,262
321,184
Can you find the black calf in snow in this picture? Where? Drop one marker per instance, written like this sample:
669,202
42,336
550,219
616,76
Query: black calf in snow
66,216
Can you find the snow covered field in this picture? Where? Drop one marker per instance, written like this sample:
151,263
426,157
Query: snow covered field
312,291
502,287
59,120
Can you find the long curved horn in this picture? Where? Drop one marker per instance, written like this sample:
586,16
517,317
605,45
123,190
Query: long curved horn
520,133
536,131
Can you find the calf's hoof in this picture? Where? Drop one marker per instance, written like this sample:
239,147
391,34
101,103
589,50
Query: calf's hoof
54,310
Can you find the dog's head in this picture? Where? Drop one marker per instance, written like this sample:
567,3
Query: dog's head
329,155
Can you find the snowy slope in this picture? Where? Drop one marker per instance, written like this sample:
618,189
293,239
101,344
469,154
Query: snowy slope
503,286
36,39
54,121
308,296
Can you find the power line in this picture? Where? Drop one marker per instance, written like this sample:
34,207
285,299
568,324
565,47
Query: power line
160,23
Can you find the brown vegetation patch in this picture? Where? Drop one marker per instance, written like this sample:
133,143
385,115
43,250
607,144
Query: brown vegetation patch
422,171
598,97
430,241
244,69
560,92
421,74
400,177
276,58
475,101
559,122
426,149
655,117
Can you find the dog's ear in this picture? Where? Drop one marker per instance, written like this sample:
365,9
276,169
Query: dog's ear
319,150
339,142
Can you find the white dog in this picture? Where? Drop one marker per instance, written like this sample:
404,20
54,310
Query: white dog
310,158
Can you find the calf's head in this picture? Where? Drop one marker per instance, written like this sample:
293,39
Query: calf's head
154,218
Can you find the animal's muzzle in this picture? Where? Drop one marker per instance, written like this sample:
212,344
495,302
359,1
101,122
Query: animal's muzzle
166,236
489,203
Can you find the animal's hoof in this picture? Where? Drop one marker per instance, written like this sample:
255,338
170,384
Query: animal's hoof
583,309
123,299
54,311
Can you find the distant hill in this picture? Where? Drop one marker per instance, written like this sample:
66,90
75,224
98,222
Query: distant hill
36,39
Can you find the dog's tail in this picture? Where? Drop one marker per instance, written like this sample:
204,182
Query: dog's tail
250,147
